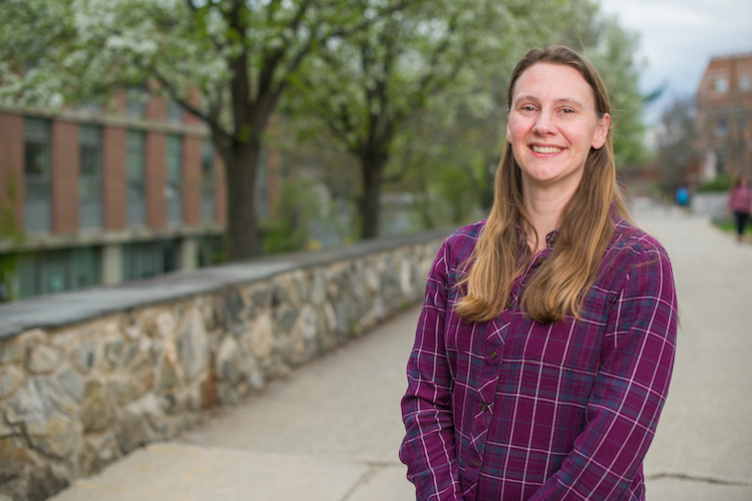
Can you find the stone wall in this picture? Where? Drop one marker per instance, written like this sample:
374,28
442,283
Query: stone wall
87,377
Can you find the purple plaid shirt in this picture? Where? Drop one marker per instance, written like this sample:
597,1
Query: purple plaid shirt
512,409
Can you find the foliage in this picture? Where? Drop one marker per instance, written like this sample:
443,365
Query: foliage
721,183
730,227
10,230
413,90
370,89
613,54
464,130
227,62
297,206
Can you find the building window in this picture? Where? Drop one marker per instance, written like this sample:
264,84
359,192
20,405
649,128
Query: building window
174,186
745,83
136,102
207,183
136,160
37,175
211,251
90,181
148,259
56,271
174,111
721,127
720,161
721,85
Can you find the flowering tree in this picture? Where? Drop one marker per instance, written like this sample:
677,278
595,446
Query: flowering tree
227,62
449,58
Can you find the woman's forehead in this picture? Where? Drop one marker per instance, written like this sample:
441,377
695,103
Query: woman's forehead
554,82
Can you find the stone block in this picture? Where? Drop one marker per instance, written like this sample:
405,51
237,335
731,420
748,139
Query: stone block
113,353
193,347
85,356
57,436
43,360
14,457
72,383
12,352
99,451
229,361
98,408
164,325
11,379
261,337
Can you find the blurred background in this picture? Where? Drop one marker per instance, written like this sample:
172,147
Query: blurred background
143,137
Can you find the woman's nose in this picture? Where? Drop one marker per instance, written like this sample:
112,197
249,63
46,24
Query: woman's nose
543,124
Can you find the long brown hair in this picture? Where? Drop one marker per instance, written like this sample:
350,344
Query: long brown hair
557,287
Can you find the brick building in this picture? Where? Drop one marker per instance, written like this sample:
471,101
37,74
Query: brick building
724,116
90,197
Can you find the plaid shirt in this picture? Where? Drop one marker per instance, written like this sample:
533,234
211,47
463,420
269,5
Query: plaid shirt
513,409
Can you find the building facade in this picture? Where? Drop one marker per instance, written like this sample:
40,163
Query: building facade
94,196
724,116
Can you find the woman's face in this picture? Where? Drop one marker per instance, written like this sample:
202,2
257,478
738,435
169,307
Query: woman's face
553,123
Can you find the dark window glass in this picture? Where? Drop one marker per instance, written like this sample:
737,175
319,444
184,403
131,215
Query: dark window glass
174,186
37,175
136,164
90,182
207,183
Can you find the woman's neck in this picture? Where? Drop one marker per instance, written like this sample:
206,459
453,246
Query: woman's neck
544,210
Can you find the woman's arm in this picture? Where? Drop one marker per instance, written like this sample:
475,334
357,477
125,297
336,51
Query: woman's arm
428,447
630,390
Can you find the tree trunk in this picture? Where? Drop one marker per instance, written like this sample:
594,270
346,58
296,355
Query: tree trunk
243,236
372,167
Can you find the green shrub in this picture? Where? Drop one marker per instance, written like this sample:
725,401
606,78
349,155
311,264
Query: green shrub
719,183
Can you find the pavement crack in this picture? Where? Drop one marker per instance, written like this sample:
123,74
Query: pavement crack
374,468
708,479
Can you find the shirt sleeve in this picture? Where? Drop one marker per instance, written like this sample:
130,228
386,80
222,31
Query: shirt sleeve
428,448
629,392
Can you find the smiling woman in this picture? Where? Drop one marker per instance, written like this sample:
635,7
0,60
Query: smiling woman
545,346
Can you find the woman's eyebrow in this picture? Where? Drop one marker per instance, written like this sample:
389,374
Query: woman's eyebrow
563,100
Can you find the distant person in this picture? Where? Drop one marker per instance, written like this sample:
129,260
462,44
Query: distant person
545,345
682,196
740,204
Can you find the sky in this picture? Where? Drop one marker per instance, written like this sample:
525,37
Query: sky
679,37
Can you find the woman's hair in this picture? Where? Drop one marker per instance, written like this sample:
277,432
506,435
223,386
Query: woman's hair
558,285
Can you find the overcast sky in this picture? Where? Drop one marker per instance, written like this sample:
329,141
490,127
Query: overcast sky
679,37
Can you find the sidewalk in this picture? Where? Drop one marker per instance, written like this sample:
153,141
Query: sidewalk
331,431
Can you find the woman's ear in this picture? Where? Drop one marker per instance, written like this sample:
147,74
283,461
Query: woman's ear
601,131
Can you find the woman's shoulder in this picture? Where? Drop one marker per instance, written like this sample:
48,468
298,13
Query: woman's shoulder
632,240
461,243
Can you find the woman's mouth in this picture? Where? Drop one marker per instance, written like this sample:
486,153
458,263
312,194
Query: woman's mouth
545,149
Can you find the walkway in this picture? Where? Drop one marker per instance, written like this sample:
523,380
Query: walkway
331,431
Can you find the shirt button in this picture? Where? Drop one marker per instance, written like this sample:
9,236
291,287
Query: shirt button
494,355
474,463
484,407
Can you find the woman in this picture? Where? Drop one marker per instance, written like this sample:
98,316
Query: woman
546,341
740,204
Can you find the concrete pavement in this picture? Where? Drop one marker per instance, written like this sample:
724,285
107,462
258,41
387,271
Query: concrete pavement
330,432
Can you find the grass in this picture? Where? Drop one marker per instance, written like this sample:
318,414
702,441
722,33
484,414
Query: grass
730,227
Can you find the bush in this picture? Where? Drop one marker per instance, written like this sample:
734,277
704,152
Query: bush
719,183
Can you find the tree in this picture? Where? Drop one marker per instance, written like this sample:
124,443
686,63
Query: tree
675,139
425,90
467,127
227,62
368,88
